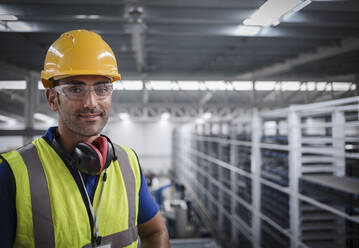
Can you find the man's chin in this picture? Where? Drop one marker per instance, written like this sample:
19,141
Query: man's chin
90,132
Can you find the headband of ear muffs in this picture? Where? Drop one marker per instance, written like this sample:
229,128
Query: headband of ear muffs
89,158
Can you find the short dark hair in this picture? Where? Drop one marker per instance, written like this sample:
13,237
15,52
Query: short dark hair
55,82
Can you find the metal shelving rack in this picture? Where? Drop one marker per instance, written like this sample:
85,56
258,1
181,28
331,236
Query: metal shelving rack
282,178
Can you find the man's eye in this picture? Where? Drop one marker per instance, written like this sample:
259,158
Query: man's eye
75,89
102,90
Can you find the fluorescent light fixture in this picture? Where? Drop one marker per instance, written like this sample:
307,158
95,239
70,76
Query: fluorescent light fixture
45,118
132,85
341,86
290,85
6,17
124,116
248,30
189,85
215,85
242,85
8,120
12,85
311,86
91,17
207,115
297,8
19,26
322,86
165,116
349,147
199,121
160,85
128,85
272,11
265,85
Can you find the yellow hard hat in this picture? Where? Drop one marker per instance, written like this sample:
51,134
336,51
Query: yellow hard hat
79,52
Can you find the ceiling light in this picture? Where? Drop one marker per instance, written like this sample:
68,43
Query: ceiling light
215,85
12,85
189,85
165,116
6,17
91,17
271,12
19,26
129,85
265,85
125,116
248,30
242,85
341,86
199,121
207,115
290,85
160,85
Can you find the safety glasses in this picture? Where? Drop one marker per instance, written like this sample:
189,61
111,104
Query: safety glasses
80,91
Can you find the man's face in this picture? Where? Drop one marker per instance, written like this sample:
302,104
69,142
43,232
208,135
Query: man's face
86,116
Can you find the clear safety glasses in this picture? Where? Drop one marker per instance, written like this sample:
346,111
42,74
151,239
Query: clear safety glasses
80,91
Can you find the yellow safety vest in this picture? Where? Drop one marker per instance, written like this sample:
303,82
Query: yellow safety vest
49,206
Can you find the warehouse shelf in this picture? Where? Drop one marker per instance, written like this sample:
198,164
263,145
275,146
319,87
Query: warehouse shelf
265,185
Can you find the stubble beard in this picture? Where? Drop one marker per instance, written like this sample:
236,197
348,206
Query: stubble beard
83,128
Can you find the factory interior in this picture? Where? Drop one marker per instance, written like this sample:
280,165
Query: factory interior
244,113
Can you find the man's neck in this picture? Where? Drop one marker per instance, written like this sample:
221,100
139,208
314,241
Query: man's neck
69,139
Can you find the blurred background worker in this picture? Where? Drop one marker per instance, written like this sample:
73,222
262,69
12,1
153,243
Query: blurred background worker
73,187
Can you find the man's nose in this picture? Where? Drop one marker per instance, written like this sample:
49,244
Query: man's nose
90,100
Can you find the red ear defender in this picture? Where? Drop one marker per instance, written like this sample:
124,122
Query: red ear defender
89,158
100,145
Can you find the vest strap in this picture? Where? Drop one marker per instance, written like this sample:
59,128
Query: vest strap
130,183
120,239
127,237
40,198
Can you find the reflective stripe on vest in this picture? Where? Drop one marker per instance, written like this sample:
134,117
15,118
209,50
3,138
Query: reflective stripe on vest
40,200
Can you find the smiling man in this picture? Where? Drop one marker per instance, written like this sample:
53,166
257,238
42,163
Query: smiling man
73,187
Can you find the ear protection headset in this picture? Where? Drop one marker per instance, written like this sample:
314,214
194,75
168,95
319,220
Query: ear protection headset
88,158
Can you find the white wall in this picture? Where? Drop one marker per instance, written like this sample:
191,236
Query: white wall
8,143
151,141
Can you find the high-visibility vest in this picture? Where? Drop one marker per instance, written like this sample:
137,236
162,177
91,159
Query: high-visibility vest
51,211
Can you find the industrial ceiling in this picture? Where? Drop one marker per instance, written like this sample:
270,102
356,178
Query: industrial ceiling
187,40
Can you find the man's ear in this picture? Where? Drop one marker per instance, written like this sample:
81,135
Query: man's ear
51,97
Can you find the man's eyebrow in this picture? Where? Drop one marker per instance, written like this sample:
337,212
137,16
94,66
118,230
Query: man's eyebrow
102,82
75,82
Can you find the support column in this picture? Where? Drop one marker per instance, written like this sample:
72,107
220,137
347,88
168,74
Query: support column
294,173
256,170
31,98
233,162
338,121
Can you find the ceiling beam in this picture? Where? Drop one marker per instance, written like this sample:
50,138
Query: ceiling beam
13,69
206,98
346,45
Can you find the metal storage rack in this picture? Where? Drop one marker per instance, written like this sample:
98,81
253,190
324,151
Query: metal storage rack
285,178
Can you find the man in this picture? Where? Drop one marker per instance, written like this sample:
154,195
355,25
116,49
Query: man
73,187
